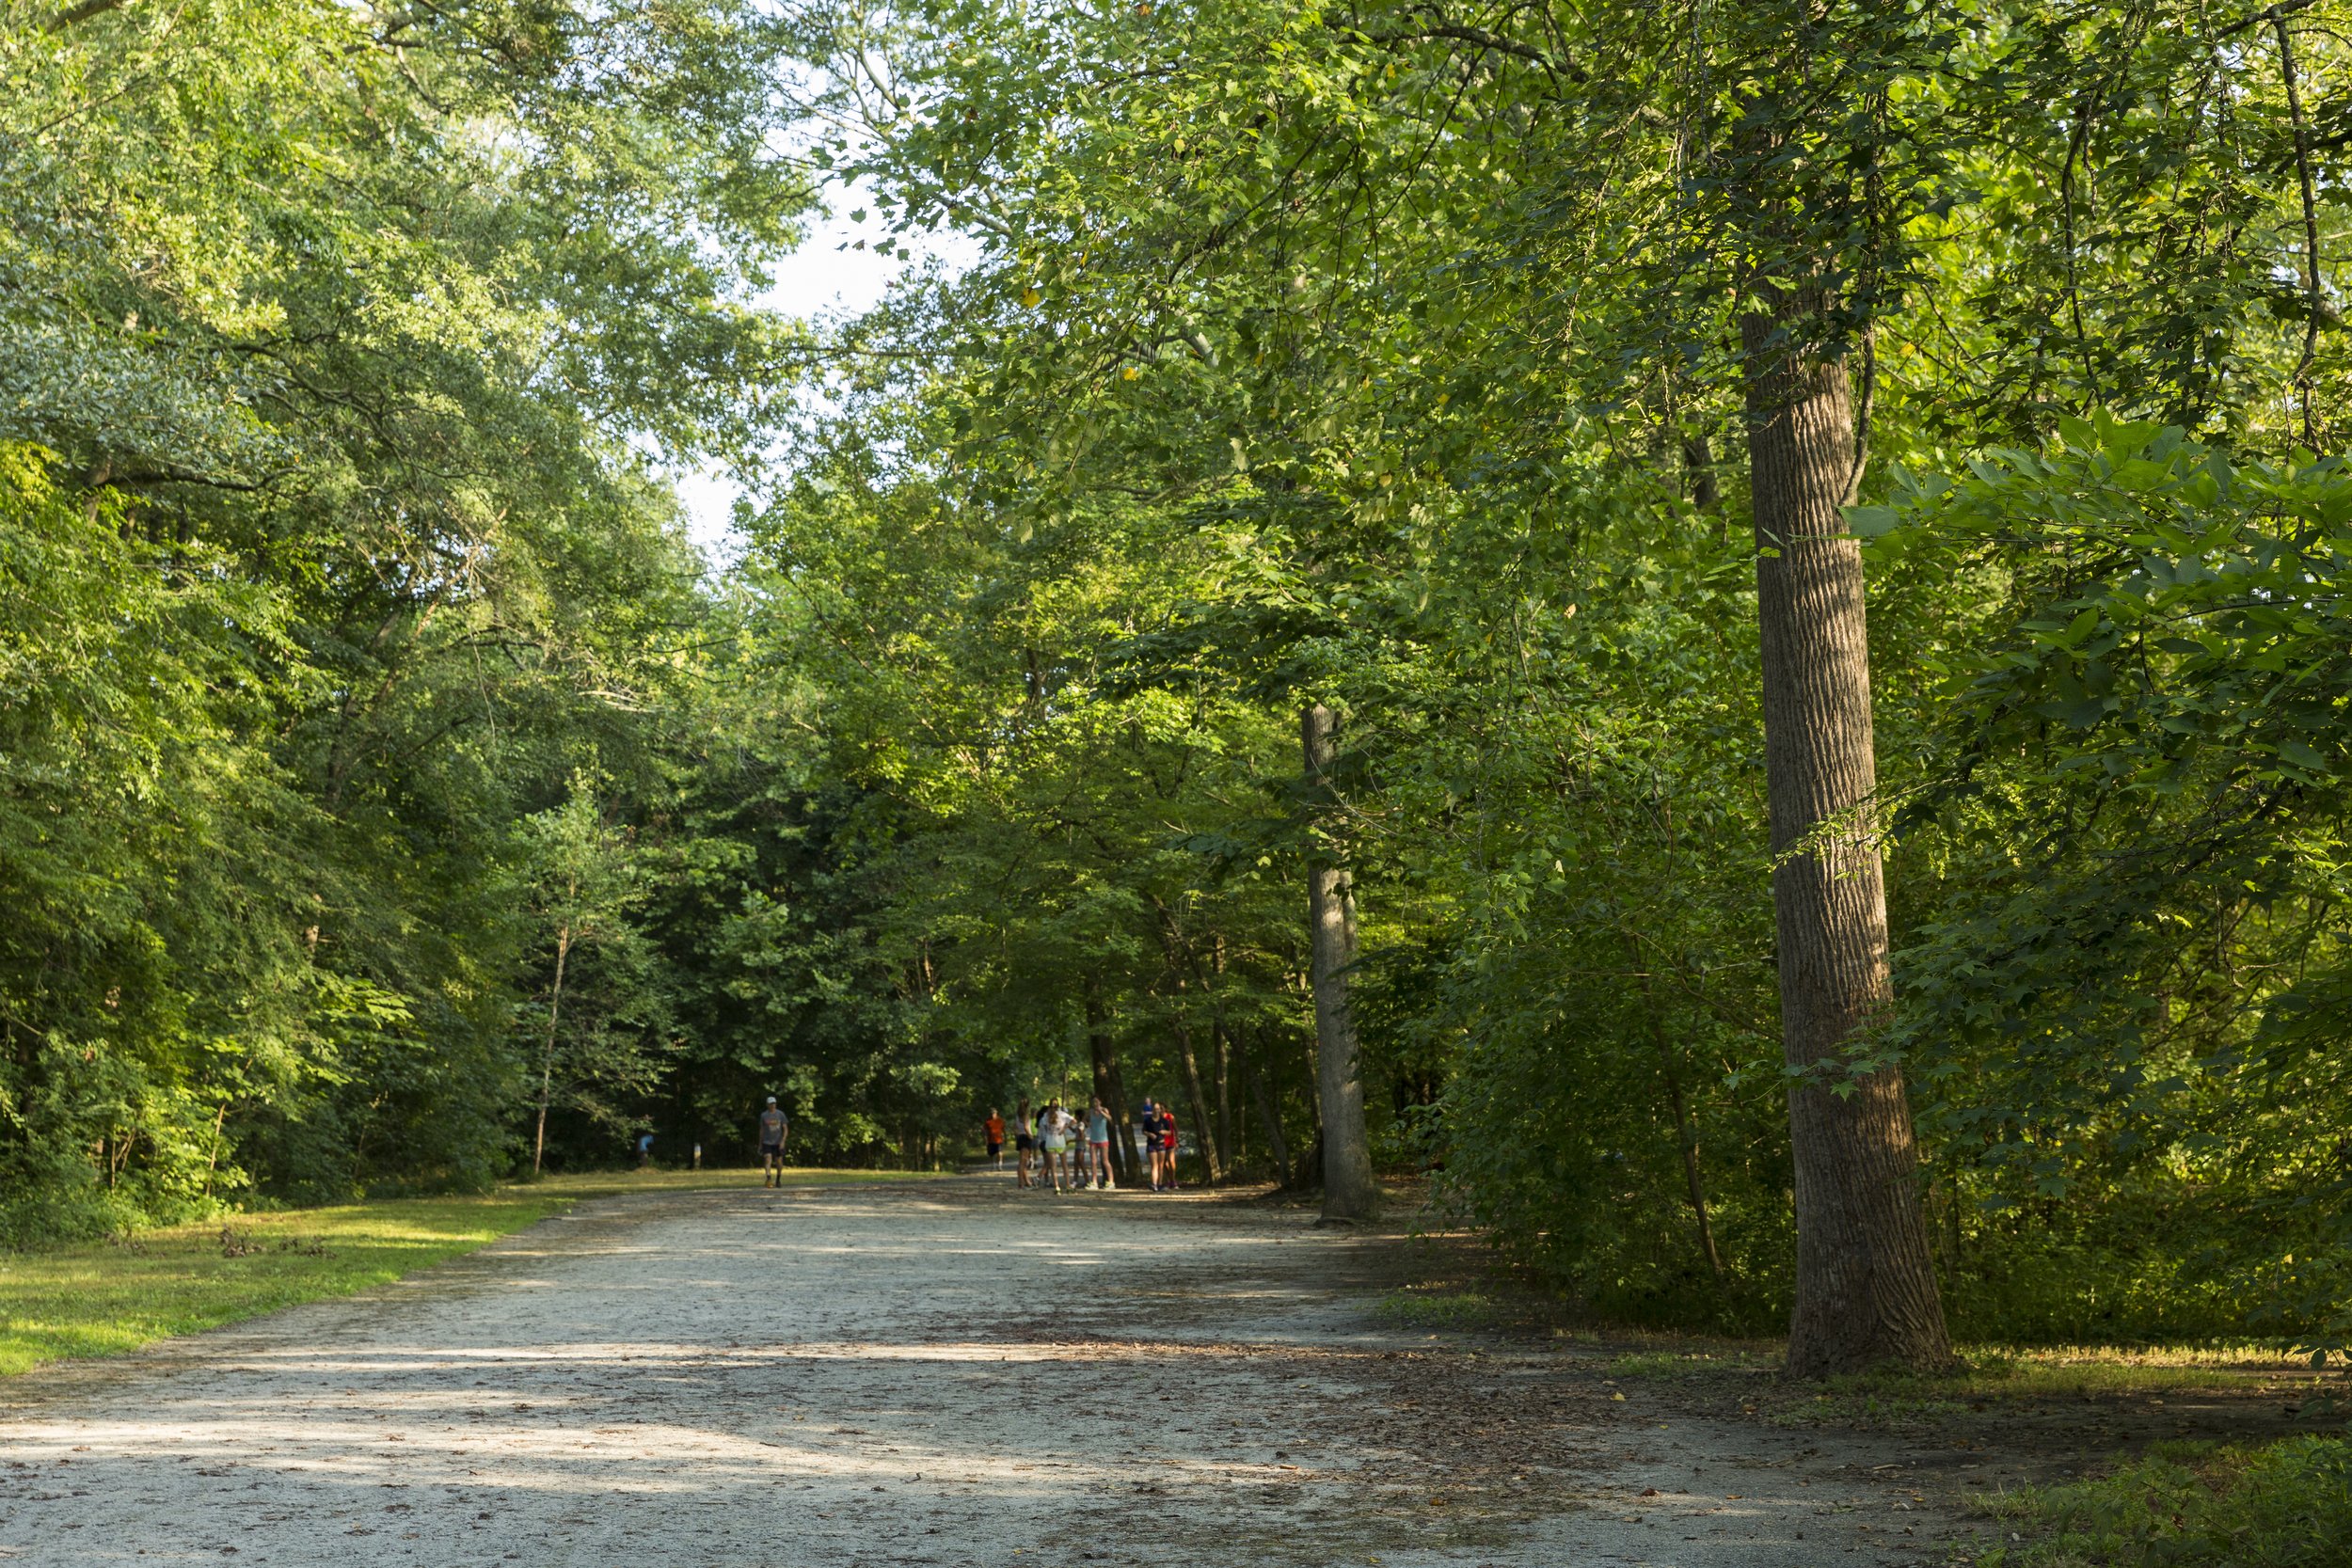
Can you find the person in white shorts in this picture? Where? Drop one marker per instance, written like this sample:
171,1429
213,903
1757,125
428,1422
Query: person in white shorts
1055,1128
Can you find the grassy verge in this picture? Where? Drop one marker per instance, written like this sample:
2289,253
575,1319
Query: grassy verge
104,1298
2186,1505
1985,1377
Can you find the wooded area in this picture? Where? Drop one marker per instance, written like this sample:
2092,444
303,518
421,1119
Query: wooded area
1348,615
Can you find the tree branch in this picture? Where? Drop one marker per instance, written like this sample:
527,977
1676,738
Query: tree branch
2310,216
82,12
1493,41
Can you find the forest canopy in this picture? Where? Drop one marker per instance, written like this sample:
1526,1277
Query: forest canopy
1343,613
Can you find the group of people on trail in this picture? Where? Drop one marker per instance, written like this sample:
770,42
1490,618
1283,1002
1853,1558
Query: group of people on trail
1071,1151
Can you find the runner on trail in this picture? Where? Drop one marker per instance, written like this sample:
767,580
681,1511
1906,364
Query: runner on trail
1024,1138
1148,1133
774,1130
995,1129
1097,1172
645,1150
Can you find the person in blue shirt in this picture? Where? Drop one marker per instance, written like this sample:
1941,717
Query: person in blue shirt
1096,1172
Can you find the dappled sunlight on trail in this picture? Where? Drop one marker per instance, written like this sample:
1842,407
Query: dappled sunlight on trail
846,1377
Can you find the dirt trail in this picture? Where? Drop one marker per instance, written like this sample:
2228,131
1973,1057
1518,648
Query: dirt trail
938,1373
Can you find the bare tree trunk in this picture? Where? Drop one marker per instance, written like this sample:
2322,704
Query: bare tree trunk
1220,1052
1108,1085
1223,1064
1687,1135
1224,1061
1349,1193
1179,953
547,1059
1865,1289
1269,1115
1210,1155
212,1164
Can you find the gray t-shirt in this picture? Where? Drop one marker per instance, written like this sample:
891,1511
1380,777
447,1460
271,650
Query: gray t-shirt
772,1126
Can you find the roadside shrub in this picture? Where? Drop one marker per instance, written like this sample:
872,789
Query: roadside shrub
2185,1505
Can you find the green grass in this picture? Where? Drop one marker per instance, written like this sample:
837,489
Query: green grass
2185,1505
1983,1373
1423,1308
1678,1366
1984,1379
105,1298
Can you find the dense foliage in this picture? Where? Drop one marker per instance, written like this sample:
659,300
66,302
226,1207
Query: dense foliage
332,338
382,780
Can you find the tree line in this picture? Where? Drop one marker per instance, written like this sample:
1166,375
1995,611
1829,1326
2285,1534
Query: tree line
1716,627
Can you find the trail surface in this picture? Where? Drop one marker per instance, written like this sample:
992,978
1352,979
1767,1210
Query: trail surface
942,1374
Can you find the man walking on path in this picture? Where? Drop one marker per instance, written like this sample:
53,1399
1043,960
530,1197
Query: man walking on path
995,1129
774,1130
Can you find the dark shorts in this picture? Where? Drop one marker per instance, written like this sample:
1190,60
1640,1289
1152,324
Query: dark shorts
1025,1143
994,1148
770,1152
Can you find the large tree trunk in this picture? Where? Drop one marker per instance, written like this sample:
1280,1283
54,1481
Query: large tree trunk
1866,1288
1349,1192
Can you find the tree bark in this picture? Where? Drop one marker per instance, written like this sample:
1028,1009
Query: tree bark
1349,1193
1865,1290
547,1059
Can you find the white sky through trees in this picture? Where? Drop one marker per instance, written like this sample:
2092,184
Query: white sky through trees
825,277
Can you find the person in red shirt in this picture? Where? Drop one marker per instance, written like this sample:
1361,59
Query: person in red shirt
994,1128
1167,1143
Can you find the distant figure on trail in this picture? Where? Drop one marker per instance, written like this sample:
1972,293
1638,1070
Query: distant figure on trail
995,1129
645,1150
1096,1172
774,1130
1148,1129
1054,1133
1167,1143
1023,1139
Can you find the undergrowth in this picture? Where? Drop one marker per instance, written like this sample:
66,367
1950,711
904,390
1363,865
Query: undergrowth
2191,1505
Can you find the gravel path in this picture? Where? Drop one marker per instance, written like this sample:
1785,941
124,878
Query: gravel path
944,1373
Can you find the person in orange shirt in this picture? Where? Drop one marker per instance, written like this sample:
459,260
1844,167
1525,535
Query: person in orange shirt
994,1128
